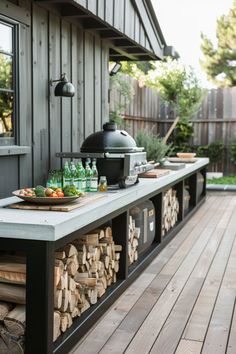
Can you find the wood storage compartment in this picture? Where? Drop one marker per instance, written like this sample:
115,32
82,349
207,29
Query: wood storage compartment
88,266
142,229
200,186
170,210
186,200
133,241
83,271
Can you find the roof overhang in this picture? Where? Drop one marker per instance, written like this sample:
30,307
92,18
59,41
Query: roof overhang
122,47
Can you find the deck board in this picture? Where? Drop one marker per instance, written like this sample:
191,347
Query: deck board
184,301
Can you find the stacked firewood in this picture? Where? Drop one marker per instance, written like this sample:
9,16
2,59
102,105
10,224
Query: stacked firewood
88,266
83,271
170,210
133,237
12,303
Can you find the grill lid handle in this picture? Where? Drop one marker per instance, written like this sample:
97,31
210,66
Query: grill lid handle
109,126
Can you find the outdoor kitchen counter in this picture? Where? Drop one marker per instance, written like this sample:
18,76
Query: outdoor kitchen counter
53,225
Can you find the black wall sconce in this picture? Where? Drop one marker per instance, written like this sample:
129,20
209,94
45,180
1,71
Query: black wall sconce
64,88
114,70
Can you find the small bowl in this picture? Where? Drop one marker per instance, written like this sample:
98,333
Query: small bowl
186,155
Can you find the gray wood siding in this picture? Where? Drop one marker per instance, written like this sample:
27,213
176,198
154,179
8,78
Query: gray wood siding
9,177
40,94
123,16
50,124
25,107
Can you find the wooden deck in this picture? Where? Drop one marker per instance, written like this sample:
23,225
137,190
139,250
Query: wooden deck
184,302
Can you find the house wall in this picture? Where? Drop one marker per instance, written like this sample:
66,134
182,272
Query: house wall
127,16
49,46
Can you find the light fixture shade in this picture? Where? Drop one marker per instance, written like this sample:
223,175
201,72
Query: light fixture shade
115,68
64,89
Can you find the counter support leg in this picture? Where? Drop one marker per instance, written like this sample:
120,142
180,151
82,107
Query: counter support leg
120,234
39,298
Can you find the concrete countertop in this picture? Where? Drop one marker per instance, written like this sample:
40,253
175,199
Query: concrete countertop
53,225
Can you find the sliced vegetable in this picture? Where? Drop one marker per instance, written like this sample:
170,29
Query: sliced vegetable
40,191
70,191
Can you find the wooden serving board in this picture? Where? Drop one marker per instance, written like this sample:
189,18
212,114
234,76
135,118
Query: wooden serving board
154,173
182,159
88,198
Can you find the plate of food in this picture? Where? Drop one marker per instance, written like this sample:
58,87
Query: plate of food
48,196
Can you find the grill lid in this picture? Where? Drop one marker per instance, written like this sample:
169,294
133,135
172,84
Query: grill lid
109,140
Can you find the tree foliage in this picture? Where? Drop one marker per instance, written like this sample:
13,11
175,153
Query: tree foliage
125,90
219,62
178,85
6,99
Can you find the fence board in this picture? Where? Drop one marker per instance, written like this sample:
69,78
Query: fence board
216,118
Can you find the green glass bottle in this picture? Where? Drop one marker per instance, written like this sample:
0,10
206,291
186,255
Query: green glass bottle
66,174
94,177
74,175
81,176
88,174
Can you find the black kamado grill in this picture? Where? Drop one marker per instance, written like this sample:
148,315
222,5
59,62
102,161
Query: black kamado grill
118,157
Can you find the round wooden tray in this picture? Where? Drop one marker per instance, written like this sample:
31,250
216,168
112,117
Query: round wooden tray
45,200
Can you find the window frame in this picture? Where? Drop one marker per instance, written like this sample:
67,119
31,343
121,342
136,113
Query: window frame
9,141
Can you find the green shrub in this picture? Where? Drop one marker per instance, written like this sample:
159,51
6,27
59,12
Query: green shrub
232,151
156,149
214,151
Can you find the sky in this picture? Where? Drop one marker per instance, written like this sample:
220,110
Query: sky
182,22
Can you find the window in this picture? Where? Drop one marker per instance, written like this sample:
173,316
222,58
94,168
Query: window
7,82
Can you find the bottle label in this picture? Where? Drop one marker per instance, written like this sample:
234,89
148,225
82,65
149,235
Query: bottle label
83,184
94,184
66,182
76,182
88,182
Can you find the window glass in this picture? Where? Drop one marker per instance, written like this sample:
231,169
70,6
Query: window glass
6,114
6,72
7,84
5,38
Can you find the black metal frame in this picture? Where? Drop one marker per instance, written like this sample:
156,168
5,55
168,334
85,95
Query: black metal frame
40,273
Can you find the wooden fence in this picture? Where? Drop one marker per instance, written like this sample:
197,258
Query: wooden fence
215,120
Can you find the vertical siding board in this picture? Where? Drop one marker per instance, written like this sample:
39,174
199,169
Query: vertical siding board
97,84
80,56
109,11
74,79
65,101
89,84
129,19
142,36
101,9
25,106
105,83
92,6
82,3
119,14
9,179
54,102
40,92
137,28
